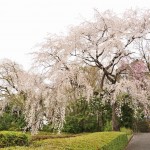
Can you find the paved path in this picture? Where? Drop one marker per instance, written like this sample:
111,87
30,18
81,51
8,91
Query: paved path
140,141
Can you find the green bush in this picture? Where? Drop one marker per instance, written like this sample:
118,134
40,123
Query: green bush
11,121
127,111
128,131
79,118
9,138
47,128
108,126
126,119
83,116
80,123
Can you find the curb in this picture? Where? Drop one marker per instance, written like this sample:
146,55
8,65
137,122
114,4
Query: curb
129,141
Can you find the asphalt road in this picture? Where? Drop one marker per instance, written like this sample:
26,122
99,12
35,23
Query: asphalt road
140,141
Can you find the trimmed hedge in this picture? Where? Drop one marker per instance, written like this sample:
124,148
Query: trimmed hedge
93,141
10,138
118,143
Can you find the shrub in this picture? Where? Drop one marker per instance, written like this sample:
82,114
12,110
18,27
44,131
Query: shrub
128,131
12,122
142,126
9,138
83,116
79,118
127,113
47,128
108,126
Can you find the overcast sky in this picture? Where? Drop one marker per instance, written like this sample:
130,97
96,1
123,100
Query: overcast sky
25,23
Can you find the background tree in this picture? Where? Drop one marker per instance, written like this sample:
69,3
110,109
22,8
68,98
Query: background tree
102,43
21,92
87,64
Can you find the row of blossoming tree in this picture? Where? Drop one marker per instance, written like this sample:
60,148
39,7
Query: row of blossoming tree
118,46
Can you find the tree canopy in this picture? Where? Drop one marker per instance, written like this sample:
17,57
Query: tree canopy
98,57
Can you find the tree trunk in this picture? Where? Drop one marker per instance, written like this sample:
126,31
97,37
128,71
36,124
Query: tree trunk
99,121
115,120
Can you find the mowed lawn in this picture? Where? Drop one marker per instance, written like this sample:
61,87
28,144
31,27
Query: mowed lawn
91,141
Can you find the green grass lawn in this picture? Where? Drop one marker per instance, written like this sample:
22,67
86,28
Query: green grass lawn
91,141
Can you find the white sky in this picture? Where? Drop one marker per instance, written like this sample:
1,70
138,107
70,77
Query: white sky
25,23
